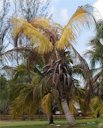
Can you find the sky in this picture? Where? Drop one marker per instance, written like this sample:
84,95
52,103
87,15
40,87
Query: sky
62,11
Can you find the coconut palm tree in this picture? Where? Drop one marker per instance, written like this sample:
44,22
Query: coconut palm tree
51,40
96,57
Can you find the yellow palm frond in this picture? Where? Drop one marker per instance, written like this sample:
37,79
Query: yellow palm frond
72,107
66,37
80,13
38,40
41,22
71,30
46,104
46,27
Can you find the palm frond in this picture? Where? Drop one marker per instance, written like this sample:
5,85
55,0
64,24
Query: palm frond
37,39
46,104
46,27
86,73
71,30
41,23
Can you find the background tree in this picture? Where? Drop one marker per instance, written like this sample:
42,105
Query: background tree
4,95
96,61
14,56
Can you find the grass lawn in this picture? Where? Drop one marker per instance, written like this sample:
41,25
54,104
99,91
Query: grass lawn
82,123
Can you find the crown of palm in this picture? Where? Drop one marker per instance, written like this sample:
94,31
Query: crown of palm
43,34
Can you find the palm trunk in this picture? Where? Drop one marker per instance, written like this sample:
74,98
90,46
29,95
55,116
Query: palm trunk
70,118
50,119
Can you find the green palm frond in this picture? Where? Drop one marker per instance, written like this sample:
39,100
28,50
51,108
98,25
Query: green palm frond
37,39
25,101
96,106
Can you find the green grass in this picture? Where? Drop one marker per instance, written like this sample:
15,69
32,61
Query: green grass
81,123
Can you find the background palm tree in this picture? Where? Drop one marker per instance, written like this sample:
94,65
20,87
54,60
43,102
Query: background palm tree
96,60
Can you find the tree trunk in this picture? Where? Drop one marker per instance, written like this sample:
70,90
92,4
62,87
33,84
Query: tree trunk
70,118
50,119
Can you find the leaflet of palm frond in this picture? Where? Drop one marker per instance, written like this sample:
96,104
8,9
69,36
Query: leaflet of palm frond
51,67
37,39
93,57
46,104
41,22
101,108
37,70
9,54
96,77
83,63
100,29
17,105
66,37
77,69
20,71
87,74
36,95
46,66
59,70
57,61
95,53
79,93
45,85
96,70
69,81
36,79
3,33
19,49
94,103
24,101
64,79
32,58
71,30
56,80
45,26
7,67
50,70
17,89
69,68
72,107
56,67
55,95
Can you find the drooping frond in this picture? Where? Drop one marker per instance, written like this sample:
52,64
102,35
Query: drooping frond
37,39
46,104
71,30
41,23
86,73
96,106
66,37
46,27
